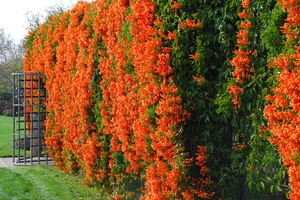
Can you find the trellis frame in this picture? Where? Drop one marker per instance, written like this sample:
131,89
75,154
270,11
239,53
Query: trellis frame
29,113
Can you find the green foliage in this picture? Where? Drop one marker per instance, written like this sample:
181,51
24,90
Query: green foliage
96,119
5,96
214,42
271,35
214,122
263,160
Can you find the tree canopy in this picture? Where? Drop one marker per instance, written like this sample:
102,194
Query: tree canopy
11,60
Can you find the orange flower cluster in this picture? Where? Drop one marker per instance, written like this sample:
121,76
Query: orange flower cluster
33,97
235,91
241,62
175,5
239,145
64,51
190,24
201,160
140,107
198,185
159,106
199,79
195,56
290,27
283,111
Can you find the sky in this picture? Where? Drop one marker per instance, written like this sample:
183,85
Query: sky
13,14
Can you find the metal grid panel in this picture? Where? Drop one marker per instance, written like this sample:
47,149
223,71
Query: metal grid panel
29,113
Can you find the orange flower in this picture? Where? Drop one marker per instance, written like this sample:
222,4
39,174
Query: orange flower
246,24
158,22
181,25
245,3
175,5
283,62
195,56
235,91
283,110
240,146
241,62
172,35
201,159
191,24
243,14
167,50
199,79
242,36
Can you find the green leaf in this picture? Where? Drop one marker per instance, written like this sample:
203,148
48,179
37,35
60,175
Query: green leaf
278,188
272,188
262,185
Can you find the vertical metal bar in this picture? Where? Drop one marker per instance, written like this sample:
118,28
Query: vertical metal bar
25,114
20,78
14,126
39,117
31,118
19,118
45,110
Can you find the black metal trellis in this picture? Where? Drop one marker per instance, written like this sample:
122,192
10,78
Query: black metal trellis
29,113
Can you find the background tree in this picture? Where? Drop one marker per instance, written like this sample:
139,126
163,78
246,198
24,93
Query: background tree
35,20
11,61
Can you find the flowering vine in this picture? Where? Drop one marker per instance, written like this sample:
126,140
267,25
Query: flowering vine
121,77
283,111
242,61
138,112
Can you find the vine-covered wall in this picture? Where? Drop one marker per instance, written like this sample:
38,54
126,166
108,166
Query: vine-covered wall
172,99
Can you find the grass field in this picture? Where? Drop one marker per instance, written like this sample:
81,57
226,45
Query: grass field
38,182
44,183
5,136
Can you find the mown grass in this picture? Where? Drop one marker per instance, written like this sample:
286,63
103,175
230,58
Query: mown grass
5,136
44,182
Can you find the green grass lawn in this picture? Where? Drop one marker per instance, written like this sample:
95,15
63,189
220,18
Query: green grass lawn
5,136
44,182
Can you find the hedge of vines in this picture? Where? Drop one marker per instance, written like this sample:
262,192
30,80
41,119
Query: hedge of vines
173,99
